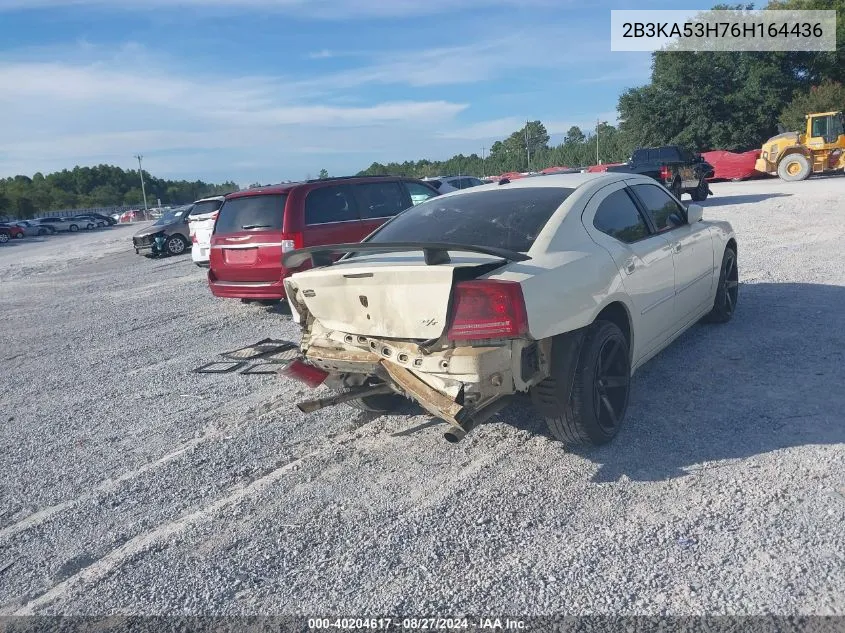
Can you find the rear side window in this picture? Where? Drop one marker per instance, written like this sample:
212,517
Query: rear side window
660,206
618,217
330,204
510,218
380,199
251,213
419,193
466,183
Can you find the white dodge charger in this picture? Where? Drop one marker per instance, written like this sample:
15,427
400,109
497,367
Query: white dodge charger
561,286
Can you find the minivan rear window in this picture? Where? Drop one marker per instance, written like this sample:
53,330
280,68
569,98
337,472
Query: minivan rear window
251,213
509,219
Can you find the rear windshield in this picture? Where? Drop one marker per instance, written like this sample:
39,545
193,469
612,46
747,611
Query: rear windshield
251,213
510,218
206,207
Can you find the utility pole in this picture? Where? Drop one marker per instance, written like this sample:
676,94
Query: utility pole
597,142
143,187
527,146
482,161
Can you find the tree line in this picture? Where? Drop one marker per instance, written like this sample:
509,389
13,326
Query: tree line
702,100
100,186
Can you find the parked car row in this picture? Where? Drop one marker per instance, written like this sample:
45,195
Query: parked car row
18,229
241,237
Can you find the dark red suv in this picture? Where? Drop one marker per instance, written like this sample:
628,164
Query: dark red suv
254,227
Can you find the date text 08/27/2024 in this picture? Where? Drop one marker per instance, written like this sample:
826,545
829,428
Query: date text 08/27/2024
417,624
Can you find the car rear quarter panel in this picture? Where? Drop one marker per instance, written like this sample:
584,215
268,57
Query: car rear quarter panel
569,278
566,291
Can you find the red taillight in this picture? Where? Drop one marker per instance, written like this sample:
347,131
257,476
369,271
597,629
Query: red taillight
194,238
303,372
487,309
664,173
291,241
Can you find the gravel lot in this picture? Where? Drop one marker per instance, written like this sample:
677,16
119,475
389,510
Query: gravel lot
130,485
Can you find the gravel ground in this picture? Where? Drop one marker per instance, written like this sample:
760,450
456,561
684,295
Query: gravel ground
130,485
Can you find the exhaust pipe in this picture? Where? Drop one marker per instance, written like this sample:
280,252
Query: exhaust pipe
309,406
459,432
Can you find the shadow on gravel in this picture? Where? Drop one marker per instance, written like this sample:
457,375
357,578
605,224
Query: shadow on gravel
770,379
282,308
718,201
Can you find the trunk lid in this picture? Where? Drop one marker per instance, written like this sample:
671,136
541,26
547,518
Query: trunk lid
387,295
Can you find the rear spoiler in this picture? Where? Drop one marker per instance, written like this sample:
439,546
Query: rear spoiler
435,252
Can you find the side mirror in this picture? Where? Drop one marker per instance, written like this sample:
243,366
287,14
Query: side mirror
694,213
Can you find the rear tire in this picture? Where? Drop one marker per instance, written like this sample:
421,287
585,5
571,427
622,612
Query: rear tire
794,167
700,193
676,188
73,228
593,412
3,238
727,292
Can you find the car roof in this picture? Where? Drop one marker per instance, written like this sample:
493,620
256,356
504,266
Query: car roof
565,181
209,199
286,187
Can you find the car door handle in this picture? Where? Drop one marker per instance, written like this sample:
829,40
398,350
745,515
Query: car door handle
676,247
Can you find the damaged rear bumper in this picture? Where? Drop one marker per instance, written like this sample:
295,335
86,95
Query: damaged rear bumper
461,385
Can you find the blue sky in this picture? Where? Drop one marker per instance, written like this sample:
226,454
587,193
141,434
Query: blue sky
270,90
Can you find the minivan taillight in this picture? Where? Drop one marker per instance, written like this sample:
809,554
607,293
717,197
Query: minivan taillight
291,241
487,308
664,172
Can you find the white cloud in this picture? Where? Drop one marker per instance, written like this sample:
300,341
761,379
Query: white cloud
468,63
94,107
323,9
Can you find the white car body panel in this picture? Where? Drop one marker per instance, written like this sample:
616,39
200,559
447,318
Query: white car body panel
200,228
65,225
666,282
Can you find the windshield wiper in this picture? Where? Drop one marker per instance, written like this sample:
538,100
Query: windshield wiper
247,227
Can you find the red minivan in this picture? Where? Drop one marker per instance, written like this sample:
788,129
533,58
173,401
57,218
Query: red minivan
254,227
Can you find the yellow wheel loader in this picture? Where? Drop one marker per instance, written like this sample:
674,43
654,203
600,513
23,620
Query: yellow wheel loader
795,156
